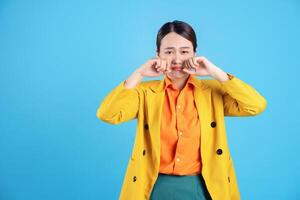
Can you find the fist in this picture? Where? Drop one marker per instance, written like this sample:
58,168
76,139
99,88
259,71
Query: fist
199,66
154,67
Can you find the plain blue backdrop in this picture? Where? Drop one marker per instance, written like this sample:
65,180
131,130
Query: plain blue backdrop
59,59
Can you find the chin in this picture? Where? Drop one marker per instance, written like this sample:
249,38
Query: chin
173,75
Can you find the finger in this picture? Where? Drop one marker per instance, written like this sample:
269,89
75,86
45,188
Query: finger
199,60
193,69
185,65
188,64
169,66
164,65
161,66
188,71
154,63
194,60
191,63
158,64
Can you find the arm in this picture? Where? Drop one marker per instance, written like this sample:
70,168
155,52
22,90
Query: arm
122,103
240,99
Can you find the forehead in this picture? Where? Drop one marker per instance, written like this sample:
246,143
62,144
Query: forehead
175,41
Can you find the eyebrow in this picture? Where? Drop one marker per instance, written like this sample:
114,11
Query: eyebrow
179,48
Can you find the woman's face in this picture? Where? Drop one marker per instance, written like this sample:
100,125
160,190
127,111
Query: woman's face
176,49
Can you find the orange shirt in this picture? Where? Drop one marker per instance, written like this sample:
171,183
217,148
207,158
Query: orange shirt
180,131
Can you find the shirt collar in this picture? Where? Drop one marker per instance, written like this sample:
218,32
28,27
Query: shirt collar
159,86
168,82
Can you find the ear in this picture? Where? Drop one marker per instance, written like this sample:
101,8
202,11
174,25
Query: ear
157,55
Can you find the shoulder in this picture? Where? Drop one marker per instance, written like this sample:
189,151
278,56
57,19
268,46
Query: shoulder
144,85
213,84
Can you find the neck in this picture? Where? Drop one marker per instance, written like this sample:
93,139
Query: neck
180,83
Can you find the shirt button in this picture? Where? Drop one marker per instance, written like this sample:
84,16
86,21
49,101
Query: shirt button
177,159
180,133
178,106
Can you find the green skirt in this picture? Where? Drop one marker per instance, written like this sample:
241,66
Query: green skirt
174,187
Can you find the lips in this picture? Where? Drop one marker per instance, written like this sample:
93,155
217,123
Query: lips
176,68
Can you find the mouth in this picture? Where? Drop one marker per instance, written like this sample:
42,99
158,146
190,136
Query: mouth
176,68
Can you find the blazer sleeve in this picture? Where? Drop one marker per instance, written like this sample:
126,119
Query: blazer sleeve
120,105
241,99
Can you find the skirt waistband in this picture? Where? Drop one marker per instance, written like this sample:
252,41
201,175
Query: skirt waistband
173,178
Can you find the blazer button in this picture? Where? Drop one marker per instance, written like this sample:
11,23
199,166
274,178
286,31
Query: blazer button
213,124
219,151
134,179
146,126
144,152
228,179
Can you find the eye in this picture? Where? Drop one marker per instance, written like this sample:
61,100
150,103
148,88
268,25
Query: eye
168,52
185,52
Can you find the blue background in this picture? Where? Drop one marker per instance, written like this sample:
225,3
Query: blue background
59,59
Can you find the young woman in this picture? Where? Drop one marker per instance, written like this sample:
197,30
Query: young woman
180,150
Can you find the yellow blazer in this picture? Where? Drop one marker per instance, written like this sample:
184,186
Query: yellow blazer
213,100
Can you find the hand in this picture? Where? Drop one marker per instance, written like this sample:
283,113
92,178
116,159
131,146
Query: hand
154,67
201,66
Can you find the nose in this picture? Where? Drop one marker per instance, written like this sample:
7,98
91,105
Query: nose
177,59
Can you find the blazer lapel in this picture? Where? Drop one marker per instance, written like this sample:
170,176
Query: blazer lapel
155,102
203,104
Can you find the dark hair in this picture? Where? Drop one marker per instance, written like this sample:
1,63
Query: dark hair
179,27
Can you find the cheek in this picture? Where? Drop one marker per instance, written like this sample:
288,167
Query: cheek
189,56
166,56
